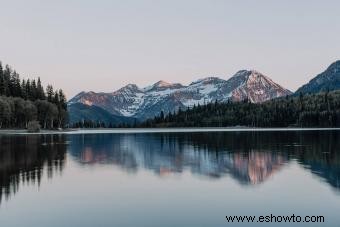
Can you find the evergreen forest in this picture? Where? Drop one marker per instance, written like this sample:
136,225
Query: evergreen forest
25,100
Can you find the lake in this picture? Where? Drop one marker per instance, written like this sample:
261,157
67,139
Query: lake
186,178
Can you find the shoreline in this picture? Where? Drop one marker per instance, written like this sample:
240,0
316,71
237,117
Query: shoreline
157,130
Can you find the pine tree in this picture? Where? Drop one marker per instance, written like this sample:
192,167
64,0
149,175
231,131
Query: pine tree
62,99
49,93
23,89
162,116
7,78
40,90
2,81
28,89
34,92
16,88
56,98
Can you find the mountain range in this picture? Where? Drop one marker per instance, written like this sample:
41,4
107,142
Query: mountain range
132,102
143,103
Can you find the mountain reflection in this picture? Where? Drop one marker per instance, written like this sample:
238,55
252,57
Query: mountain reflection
172,153
248,157
23,160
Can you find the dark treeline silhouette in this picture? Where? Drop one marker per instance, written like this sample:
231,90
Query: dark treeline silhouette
23,160
22,101
100,124
315,110
90,124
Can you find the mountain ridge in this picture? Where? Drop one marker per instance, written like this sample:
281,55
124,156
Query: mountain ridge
328,80
143,103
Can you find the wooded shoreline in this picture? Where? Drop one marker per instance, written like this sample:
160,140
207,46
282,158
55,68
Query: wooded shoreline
157,130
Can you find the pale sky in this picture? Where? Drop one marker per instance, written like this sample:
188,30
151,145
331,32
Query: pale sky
102,45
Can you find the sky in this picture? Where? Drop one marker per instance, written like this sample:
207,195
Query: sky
102,45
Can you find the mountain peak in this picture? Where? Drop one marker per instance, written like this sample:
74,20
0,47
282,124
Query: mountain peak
128,89
244,73
241,72
255,86
162,83
253,76
131,87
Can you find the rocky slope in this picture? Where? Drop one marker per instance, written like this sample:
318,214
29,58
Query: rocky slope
327,80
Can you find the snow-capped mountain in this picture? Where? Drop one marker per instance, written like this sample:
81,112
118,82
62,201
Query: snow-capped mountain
142,103
254,86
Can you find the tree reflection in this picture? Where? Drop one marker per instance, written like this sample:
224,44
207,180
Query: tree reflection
24,158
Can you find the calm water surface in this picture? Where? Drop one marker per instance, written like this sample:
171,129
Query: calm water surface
168,179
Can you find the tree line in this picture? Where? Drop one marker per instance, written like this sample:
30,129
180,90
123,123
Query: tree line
23,101
101,124
313,110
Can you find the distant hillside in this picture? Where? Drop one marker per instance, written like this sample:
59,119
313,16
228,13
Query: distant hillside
79,112
329,80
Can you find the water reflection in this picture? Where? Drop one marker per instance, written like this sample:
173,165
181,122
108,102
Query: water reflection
249,157
23,160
